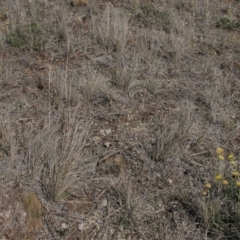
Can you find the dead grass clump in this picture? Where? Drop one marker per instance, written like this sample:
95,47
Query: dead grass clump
6,139
61,86
125,74
184,5
110,29
71,88
125,206
150,14
149,45
59,160
220,111
94,87
172,138
14,136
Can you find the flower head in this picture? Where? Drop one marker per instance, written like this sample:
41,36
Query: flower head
205,192
225,182
221,157
208,185
219,177
231,157
236,174
232,162
238,183
219,151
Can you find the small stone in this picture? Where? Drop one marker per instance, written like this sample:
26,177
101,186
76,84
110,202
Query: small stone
107,144
3,238
108,131
81,226
104,202
170,181
64,226
96,139
102,133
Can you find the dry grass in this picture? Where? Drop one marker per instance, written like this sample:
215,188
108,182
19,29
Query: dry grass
110,114
110,28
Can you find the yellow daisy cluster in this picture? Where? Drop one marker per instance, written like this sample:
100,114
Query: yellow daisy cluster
221,167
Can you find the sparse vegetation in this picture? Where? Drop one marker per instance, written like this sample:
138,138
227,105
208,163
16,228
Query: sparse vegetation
225,189
111,118
228,24
28,37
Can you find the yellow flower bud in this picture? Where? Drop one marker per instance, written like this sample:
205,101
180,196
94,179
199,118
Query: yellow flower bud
236,174
221,157
205,192
231,157
233,163
218,177
225,182
238,183
219,151
208,185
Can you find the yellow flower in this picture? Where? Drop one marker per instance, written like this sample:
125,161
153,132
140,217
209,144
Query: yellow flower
236,174
208,185
225,182
231,157
219,151
233,163
221,157
238,183
218,177
205,192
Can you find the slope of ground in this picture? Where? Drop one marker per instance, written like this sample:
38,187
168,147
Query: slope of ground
110,116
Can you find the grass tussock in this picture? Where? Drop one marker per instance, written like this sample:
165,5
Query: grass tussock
58,177
110,28
119,120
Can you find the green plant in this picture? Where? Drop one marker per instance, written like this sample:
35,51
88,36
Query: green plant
27,37
150,14
222,196
124,202
228,24
36,36
184,5
16,39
